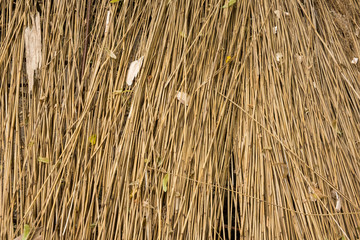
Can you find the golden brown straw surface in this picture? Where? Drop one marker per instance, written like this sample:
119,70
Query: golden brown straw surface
243,122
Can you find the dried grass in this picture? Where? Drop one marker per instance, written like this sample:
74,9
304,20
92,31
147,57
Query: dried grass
257,150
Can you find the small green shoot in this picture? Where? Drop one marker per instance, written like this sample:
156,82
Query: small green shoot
26,231
229,3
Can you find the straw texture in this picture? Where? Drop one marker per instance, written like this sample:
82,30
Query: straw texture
243,121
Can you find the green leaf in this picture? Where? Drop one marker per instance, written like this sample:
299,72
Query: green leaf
26,231
165,182
114,1
92,139
43,159
229,3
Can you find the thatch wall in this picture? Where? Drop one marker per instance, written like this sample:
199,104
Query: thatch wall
243,121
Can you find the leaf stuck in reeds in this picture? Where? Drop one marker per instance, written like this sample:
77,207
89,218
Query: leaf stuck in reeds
43,159
183,98
32,36
165,182
92,139
229,3
133,71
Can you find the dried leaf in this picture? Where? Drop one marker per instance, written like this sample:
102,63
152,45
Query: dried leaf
165,182
111,54
354,60
183,98
92,139
278,56
32,37
277,13
134,69
315,194
336,196
43,159
229,3
299,58
275,29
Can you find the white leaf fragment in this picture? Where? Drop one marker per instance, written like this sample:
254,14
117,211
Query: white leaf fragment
336,196
354,60
32,37
278,56
112,54
299,58
183,98
275,29
277,13
133,71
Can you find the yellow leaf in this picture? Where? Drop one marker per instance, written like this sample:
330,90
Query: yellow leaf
228,59
43,159
165,182
92,139
114,1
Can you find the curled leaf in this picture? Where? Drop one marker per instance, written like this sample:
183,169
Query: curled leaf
165,182
133,71
43,159
183,98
